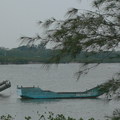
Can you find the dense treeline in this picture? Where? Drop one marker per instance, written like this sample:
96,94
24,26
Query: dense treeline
39,54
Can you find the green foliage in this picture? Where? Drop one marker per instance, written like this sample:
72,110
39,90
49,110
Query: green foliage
39,54
86,30
27,117
6,117
115,116
112,87
52,116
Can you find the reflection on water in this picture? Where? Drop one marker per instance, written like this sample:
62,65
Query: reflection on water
3,96
38,101
51,101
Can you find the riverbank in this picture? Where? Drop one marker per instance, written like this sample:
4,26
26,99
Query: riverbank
28,55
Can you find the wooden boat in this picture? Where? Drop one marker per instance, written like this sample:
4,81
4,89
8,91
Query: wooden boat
38,93
4,85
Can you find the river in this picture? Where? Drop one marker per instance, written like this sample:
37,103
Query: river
56,78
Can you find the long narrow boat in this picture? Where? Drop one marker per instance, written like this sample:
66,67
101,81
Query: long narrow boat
38,93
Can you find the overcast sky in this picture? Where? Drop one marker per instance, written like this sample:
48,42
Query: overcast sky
19,17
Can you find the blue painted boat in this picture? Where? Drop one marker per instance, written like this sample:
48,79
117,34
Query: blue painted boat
38,93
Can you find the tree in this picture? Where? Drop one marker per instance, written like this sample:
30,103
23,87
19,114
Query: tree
85,30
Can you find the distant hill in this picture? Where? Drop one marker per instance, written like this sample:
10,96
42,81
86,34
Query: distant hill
39,54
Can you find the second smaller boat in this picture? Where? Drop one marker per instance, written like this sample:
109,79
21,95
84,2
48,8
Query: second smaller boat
5,85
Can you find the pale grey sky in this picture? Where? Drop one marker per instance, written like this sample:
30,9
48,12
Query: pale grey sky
19,17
